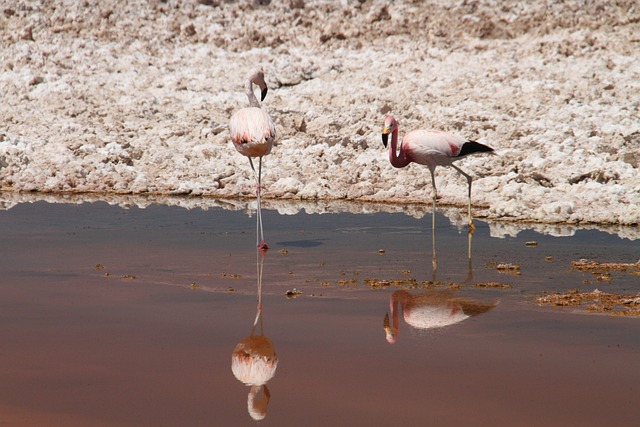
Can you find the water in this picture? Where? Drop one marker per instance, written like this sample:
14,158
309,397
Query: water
129,317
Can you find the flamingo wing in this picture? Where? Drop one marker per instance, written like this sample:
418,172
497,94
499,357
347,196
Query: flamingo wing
252,132
432,147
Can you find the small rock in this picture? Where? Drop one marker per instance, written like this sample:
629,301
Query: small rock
36,80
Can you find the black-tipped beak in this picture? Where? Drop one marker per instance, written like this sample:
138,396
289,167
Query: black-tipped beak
385,137
263,94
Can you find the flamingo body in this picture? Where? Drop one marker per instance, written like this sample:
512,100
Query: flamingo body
430,148
252,132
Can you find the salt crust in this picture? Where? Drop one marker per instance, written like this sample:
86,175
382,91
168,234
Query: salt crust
135,97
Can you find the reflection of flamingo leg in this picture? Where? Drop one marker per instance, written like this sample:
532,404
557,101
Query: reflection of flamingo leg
259,267
470,264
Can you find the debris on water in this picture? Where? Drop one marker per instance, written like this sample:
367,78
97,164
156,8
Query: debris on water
408,283
598,301
129,277
230,290
231,276
99,267
283,251
193,286
381,251
348,282
492,285
509,268
548,258
377,283
599,268
531,243
293,293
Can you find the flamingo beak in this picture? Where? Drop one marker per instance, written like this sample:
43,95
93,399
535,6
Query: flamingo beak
263,94
385,136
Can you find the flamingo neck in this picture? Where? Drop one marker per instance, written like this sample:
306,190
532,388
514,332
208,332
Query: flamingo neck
398,159
253,101
396,298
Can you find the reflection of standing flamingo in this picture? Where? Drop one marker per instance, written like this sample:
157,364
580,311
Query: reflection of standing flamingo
253,133
434,260
430,148
430,310
254,359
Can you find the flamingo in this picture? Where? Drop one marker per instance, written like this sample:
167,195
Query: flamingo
431,148
253,133
429,310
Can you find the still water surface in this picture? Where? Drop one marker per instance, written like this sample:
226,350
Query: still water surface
131,317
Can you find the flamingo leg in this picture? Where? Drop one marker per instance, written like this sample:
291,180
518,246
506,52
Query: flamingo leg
263,244
469,181
433,184
259,231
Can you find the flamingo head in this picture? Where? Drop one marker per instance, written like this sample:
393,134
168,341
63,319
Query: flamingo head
257,78
390,125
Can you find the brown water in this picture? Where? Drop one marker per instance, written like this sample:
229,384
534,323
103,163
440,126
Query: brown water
113,317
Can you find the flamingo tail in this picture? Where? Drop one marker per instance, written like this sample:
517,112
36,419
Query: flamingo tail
471,147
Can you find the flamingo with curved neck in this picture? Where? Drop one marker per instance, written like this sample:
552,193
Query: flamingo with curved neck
429,310
431,148
253,133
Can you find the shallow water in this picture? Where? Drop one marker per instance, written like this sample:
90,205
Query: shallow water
129,317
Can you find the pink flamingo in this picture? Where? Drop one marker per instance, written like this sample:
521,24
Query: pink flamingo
253,134
431,148
429,310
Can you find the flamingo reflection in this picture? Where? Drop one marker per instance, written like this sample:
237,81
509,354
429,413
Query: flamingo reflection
433,309
429,310
254,359
434,256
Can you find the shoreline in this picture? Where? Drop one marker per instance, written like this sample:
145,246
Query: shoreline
455,214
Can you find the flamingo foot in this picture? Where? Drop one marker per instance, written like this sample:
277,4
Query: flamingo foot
263,246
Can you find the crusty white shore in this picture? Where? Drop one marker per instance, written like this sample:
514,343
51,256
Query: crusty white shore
135,97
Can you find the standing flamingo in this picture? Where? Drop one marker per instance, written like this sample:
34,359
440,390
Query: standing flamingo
431,148
253,133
